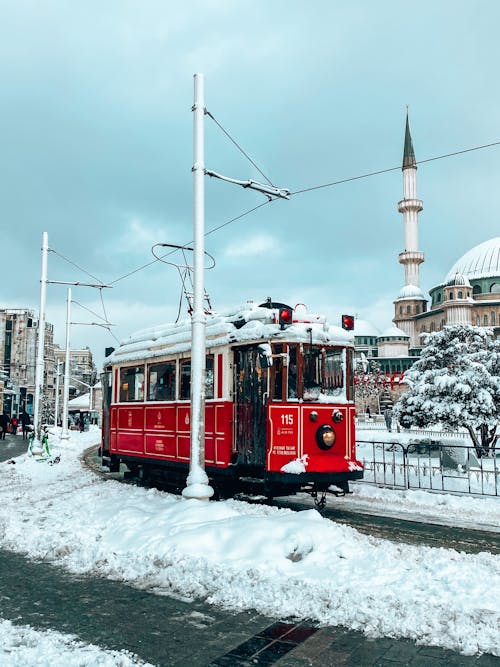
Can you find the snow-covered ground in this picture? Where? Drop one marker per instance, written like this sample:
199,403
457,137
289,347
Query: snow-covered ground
279,562
381,453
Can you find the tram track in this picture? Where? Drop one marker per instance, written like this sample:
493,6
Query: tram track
396,529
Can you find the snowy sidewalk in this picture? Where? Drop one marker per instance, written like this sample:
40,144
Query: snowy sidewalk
116,622
245,558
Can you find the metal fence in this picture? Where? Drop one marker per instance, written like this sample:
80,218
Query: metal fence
432,466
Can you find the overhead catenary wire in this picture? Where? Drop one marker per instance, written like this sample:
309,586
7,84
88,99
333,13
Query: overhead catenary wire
318,187
385,171
210,115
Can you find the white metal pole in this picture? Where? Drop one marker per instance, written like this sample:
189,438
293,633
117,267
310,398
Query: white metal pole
41,341
197,485
64,432
91,403
56,407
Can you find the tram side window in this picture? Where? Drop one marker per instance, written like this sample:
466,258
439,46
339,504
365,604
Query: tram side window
161,381
209,377
185,380
132,384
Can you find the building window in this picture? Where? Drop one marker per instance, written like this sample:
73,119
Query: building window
433,327
485,320
438,297
476,289
493,318
417,309
495,288
408,309
460,295
478,321
400,310
451,296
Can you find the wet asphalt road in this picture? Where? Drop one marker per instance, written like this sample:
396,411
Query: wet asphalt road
168,630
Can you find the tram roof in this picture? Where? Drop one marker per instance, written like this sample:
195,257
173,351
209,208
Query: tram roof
246,323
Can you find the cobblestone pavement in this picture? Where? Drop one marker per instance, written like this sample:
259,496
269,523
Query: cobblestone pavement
171,631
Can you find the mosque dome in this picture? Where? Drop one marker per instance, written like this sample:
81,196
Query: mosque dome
365,328
410,292
458,279
394,332
482,261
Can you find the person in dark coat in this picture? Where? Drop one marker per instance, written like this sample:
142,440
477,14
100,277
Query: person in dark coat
25,423
4,423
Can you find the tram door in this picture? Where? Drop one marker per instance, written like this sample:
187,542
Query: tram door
106,402
250,392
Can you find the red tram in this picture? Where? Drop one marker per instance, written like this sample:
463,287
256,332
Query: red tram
279,393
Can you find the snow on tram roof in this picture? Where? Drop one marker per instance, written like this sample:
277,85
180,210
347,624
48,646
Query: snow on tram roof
242,324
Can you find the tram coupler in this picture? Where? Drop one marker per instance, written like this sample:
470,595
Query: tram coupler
320,503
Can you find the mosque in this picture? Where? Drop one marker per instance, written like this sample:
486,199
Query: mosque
469,293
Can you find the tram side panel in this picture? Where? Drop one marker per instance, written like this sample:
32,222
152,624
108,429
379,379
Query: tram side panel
162,432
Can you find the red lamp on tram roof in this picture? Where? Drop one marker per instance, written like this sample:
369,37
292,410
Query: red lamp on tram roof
285,316
348,322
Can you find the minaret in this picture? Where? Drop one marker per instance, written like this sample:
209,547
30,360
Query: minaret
411,300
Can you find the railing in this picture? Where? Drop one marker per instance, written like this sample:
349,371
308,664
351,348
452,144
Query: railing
378,424
431,466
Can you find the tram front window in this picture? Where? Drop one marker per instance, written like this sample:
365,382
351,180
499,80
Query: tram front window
323,372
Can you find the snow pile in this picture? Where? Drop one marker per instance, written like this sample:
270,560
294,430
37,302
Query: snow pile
279,562
21,646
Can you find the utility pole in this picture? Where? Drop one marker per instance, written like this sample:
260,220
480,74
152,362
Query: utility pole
64,432
41,346
197,485
56,407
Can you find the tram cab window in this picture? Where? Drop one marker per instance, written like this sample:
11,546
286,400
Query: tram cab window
278,369
161,381
132,384
333,371
185,380
312,373
292,383
323,372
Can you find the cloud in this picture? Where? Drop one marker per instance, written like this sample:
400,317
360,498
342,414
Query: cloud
139,236
259,244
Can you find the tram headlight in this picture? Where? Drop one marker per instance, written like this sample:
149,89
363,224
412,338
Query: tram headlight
337,416
325,437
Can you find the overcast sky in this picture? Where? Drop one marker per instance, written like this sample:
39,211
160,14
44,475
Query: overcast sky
96,148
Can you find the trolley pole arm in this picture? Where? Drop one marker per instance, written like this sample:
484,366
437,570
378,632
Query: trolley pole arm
269,190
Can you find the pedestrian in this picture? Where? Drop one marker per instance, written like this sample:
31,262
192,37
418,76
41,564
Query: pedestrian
25,423
14,423
81,424
388,418
368,413
4,423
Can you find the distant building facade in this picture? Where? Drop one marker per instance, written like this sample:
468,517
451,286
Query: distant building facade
18,349
82,369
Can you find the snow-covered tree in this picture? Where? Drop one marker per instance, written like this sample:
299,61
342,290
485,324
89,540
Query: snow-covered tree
456,383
